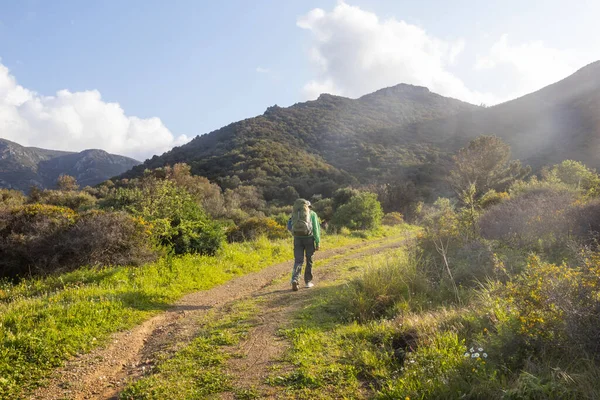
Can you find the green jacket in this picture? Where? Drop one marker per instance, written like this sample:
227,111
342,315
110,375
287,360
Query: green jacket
316,224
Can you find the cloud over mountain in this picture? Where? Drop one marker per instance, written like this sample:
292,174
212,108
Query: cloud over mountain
76,121
355,52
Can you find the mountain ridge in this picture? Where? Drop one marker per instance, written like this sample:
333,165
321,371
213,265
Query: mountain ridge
313,146
23,166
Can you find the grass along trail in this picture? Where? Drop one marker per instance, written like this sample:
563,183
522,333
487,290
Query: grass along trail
104,372
259,355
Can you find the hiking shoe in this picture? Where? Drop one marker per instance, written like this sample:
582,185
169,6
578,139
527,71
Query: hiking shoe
295,286
309,285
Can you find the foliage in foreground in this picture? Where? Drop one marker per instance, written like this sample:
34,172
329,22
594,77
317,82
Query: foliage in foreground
513,340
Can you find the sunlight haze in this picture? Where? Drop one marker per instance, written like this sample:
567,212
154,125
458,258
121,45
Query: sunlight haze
137,78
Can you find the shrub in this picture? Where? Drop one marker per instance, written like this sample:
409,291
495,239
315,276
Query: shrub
281,219
575,175
40,239
342,196
324,209
253,228
536,220
11,198
585,219
362,211
392,219
556,306
179,221
113,238
71,199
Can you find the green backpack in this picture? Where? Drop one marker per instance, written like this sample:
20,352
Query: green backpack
301,221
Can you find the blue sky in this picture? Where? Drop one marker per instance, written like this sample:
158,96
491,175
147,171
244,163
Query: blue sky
186,67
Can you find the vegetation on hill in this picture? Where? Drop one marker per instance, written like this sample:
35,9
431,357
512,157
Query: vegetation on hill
318,146
399,139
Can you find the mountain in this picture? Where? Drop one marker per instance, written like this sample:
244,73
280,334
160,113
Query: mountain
318,145
402,133
558,122
22,167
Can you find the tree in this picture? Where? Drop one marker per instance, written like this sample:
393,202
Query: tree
485,163
67,183
362,211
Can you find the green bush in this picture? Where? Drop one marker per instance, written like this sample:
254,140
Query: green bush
253,228
324,209
180,223
362,211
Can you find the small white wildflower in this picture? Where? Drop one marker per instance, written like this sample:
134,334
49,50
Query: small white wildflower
467,354
412,361
480,349
475,355
472,350
484,355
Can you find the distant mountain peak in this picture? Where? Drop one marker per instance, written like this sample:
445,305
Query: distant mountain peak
22,167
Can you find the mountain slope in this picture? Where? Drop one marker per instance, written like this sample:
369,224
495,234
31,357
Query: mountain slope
318,145
560,121
22,167
399,133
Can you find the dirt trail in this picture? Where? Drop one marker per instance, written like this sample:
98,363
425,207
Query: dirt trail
103,373
263,347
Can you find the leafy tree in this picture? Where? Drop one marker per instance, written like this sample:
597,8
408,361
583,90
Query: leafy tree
67,183
362,211
343,196
485,163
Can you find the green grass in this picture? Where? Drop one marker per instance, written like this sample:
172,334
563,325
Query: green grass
45,321
198,370
184,370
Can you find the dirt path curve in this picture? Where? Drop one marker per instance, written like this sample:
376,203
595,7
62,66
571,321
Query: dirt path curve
103,373
263,347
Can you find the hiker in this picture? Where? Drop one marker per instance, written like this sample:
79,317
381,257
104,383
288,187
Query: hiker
304,225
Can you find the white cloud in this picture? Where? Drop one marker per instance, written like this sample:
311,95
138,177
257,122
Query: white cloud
262,70
532,65
355,53
76,121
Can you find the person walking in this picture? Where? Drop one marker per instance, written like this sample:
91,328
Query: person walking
304,225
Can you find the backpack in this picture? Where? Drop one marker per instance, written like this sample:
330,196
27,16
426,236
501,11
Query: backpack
301,221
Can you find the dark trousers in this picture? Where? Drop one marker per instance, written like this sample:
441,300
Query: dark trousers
303,246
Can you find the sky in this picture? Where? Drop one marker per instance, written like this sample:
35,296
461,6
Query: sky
139,77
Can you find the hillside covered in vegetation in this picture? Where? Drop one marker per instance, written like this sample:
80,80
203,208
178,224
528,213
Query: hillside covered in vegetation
403,135
318,146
